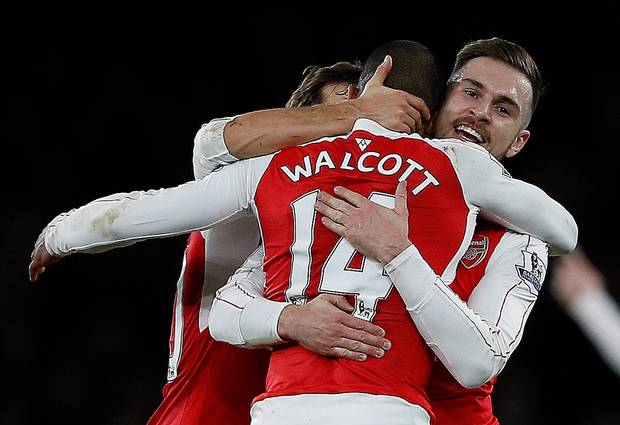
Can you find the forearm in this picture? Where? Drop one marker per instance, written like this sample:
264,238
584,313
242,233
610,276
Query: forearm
598,315
241,316
121,219
470,348
267,131
512,203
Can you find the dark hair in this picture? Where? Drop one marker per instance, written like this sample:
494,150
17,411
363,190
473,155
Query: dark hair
507,52
316,77
414,69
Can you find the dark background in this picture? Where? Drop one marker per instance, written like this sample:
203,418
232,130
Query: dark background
97,110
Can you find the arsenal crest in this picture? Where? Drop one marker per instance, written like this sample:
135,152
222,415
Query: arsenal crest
476,252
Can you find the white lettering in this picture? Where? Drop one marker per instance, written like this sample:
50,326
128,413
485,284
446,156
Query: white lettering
398,161
296,175
323,161
429,179
412,167
360,162
345,162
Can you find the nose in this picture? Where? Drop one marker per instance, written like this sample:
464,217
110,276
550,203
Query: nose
481,111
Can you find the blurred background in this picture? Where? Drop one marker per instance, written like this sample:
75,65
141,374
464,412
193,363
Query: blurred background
97,110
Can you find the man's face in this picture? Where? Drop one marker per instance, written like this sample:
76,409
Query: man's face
488,103
334,93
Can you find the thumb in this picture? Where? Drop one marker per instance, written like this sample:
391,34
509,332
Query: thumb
341,302
400,203
381,73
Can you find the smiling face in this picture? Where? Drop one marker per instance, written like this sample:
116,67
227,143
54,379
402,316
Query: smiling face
488,103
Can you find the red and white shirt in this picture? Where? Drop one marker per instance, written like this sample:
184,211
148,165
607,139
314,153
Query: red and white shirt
122,219
499,278
209,382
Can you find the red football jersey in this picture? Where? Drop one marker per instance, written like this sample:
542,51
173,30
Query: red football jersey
452,403
209,382
303,258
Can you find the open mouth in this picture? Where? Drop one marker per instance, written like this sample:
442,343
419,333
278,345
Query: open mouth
469,134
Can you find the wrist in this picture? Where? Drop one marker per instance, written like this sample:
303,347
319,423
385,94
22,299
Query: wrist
394,250
286,322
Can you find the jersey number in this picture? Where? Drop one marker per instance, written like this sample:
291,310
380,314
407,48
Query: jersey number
367,282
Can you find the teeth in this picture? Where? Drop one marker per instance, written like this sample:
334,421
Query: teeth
471,132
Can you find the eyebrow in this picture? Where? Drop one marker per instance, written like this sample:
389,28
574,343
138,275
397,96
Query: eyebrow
501,98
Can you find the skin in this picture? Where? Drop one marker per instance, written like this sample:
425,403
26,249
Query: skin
574,276
486,95
493,99
323,325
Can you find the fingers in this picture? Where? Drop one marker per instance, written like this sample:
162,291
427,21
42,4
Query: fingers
338,229
348,354
381,73
419,105
363,325
339,301
34,269
400,201
353,198
354,349
336,203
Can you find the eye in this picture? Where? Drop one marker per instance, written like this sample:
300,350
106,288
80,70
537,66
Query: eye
471,93
503,111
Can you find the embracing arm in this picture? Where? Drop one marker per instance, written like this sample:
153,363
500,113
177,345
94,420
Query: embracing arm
474,340
509,202
241,316
125,218
267,131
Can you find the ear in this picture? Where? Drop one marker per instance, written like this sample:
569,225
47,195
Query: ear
518,144
353,92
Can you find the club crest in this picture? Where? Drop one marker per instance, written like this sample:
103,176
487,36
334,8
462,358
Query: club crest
476,252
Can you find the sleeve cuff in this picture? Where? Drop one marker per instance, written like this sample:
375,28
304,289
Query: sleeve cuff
210,150
259,322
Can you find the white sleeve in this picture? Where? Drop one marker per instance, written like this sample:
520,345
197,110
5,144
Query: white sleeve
474,340
598,315
124,218
240,315
512,203
210,151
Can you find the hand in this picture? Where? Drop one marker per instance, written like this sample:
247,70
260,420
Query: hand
573,276
40,258
396,110
323,326
375,231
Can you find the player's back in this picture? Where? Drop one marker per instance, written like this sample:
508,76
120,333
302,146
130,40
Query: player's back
303,258
209,381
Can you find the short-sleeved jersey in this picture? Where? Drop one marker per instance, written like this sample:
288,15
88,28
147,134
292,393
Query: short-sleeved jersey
209,382
303,258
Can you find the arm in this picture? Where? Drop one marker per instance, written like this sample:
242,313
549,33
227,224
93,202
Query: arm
122,219
487,328
512,203
579,287
241,316
210,151
262,132
474,340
